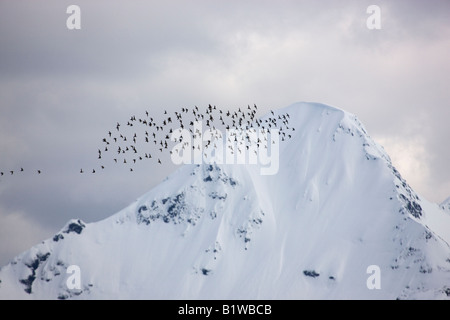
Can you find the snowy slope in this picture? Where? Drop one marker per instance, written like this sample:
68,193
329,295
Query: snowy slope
445,205
336,206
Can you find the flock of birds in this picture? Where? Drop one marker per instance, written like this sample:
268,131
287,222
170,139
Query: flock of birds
11,172
145,138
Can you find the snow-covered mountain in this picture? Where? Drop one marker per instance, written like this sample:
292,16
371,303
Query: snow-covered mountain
445,205
336,207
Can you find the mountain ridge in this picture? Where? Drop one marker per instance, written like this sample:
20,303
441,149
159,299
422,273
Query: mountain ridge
336,207
445,205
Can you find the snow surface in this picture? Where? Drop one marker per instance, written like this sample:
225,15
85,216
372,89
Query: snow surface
445,205
336,206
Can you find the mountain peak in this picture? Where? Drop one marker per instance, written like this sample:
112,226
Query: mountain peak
336,208
445,205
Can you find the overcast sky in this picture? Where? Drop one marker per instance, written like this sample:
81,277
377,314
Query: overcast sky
61,90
